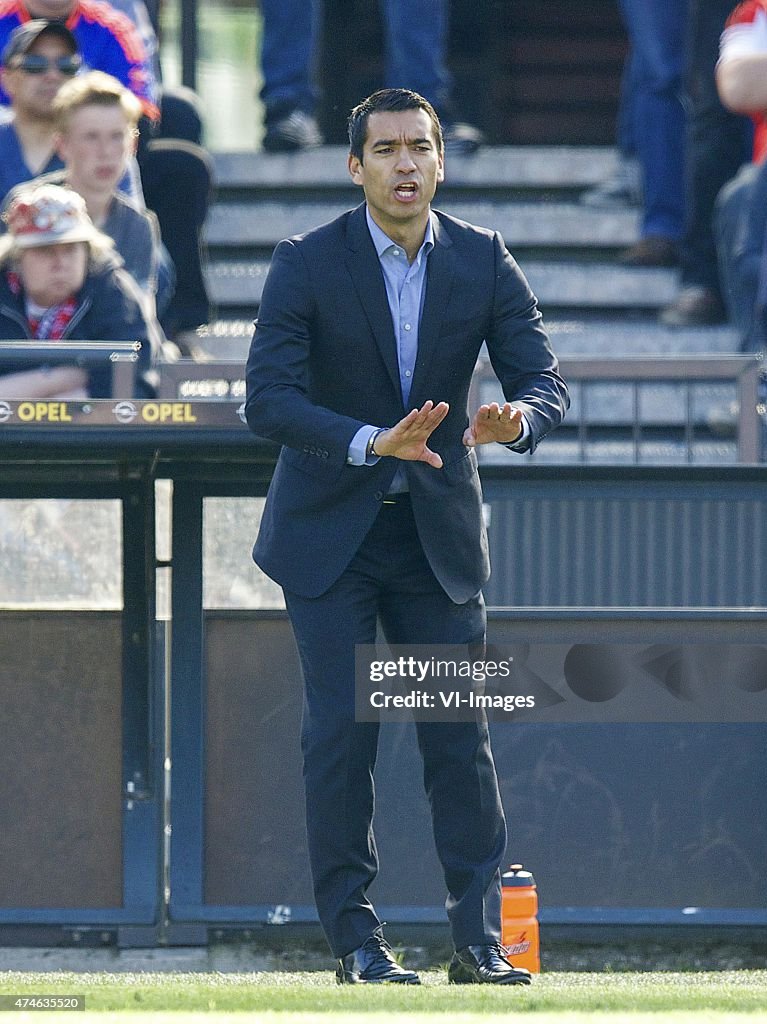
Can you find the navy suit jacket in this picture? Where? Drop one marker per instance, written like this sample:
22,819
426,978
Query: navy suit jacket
323,362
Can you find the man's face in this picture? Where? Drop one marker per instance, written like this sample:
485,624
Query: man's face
32,95
51,274
96,145
401,167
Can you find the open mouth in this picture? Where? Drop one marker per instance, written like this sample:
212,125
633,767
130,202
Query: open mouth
406,190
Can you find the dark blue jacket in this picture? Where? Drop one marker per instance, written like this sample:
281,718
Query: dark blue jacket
323,362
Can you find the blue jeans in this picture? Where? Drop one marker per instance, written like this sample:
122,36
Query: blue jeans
718,142
626,126
656,31
739,229
416,37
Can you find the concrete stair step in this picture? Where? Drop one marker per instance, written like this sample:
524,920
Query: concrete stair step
534,167
600,285
621,337
238,283
555,449
557,49
230,339
521,224
659,404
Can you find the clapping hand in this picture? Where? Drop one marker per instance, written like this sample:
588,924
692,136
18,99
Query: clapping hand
407,439
494,423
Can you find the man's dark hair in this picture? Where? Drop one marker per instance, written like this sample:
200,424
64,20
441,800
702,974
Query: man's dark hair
385,101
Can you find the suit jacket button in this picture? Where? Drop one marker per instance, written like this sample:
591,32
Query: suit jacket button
306,448
379,495
325,454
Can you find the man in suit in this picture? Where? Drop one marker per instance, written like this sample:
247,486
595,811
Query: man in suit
368,333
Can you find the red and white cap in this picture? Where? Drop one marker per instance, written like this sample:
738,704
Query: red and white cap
48,215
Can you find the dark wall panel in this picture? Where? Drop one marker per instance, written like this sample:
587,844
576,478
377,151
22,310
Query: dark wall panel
614,815
60,759
255,845
635,544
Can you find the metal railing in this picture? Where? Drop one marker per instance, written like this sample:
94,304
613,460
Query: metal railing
642,376
121,357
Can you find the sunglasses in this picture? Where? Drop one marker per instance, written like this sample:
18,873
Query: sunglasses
34,64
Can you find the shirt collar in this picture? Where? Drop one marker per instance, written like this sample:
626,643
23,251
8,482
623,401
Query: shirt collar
382,242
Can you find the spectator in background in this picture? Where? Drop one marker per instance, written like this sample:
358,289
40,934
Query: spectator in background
656,30
623,187
33,80
39,57
106,39
415,42
174,155
96,127
177,177
60,279
717,145
109,41
180,108
741,208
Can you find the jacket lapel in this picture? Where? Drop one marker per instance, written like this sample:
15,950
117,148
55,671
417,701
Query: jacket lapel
365,272
439,283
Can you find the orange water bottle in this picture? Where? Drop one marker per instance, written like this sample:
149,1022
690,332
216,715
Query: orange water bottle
519,918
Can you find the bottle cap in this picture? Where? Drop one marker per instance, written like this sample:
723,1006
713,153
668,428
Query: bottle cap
516,875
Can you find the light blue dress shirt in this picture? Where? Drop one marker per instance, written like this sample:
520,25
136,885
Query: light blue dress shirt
405,291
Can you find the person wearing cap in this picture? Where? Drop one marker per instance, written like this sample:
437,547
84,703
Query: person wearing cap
38,58
61,279
109,41
95,127
106,39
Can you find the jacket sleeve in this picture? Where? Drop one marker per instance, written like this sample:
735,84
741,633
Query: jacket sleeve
520,352
278,402
122,54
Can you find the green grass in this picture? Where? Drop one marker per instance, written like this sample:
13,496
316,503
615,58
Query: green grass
285,998
276,1017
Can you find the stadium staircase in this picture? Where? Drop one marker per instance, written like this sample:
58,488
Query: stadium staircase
593,306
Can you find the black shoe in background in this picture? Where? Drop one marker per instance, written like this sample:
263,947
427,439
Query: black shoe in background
695,306
652,251
461,139
485,965
293,132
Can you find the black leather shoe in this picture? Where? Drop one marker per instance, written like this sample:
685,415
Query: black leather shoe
695,306
291,133
461,139
373,963
652,251
485,965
